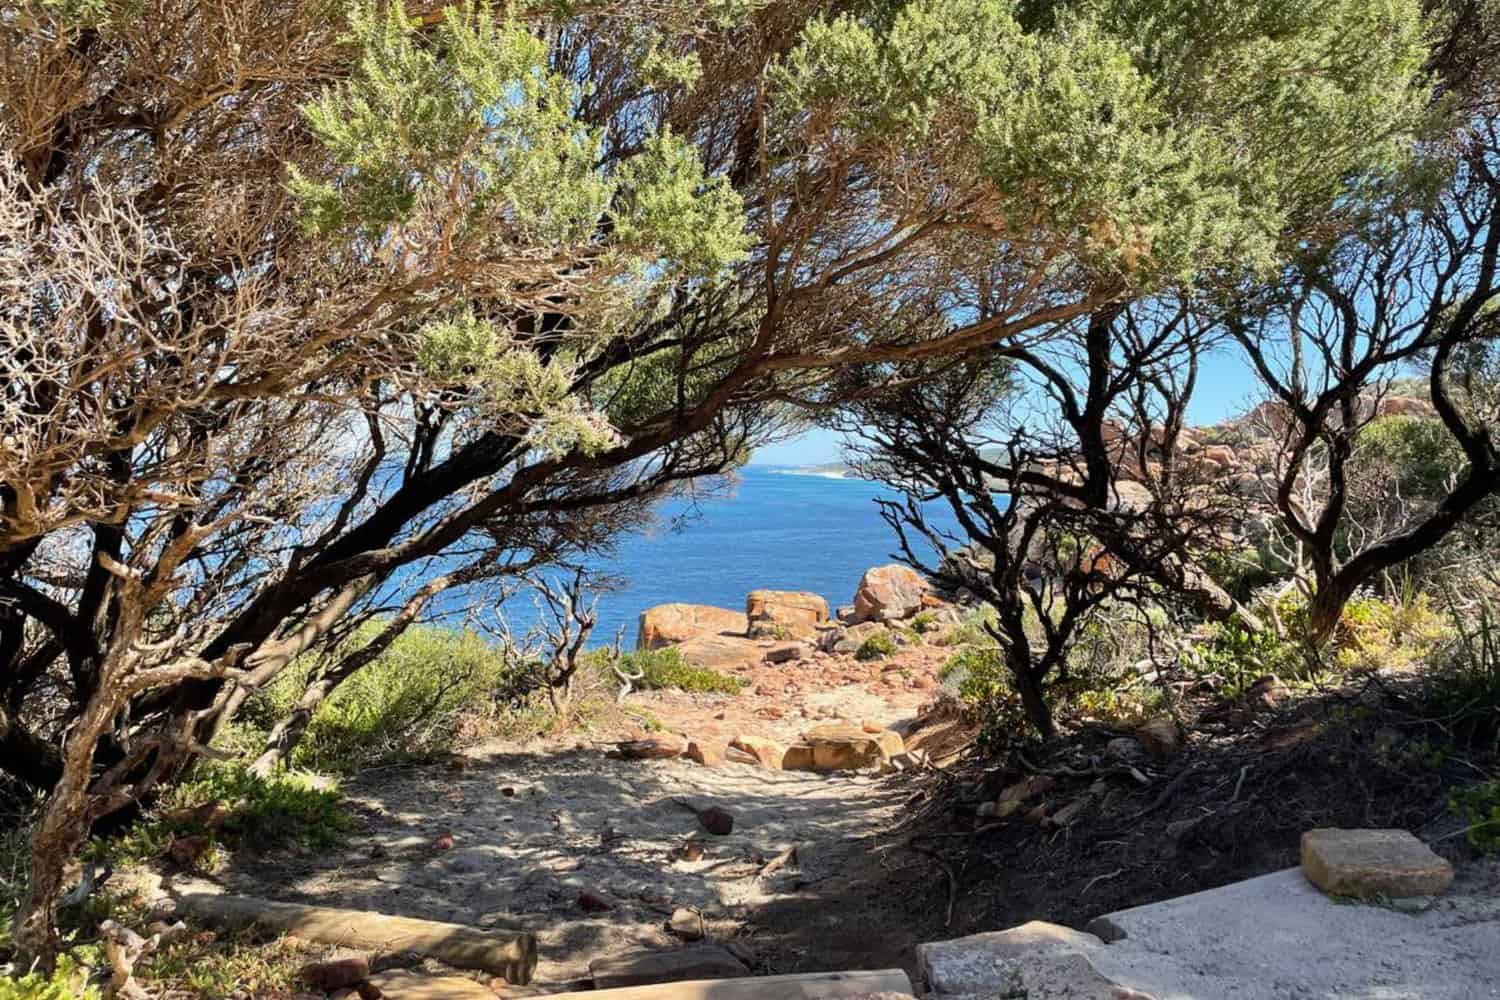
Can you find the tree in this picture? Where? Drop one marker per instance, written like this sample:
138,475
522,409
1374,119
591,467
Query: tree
299,304
1417,287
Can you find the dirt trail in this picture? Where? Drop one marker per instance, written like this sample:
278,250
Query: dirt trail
512,835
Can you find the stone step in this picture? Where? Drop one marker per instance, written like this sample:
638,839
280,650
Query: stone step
885,984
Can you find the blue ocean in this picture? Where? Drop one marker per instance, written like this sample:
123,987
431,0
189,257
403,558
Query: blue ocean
774,528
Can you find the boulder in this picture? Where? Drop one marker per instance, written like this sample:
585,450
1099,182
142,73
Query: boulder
1036,959
786,652
687,924
1366,863
768,753
644,968
657,746
798,757
777,613
719,652
889,592
669,624
847,747
707,754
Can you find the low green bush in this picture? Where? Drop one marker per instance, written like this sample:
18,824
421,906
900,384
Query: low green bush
412,701
970,632
665,668
876,647
983,684
1479,806
69,981
924,622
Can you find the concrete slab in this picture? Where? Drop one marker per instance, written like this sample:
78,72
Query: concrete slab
1278,937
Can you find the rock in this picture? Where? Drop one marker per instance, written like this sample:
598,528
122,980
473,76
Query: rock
1365,863
889,592
643,968
719,652
686,924
669,624
829,639
188,851
1160,737
717,821
786,652
590,901
734,755
1124,748
335,974
1037,960
657,746
443,842
847,747
797,612
847,614
1265,694
408,985
871,726
1070,812
798,757
707,754
768,753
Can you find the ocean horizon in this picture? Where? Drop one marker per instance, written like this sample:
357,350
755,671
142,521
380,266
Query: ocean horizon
775,527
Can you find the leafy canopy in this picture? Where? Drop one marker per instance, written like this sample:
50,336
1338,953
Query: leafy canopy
1150,138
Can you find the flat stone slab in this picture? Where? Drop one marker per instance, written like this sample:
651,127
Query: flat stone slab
885,984
403,985
1368,863
647,967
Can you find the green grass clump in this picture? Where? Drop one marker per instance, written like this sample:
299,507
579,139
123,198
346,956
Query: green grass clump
876,647
924,622
665,668
286,809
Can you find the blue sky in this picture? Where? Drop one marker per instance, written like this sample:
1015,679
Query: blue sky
1226,388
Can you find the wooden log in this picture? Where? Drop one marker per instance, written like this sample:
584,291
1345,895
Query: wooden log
511,954
887,984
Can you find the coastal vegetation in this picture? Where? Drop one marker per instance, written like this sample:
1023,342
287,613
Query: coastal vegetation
315,317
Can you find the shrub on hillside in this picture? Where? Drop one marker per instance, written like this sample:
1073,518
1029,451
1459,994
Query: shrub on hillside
413,700
876,647
665,668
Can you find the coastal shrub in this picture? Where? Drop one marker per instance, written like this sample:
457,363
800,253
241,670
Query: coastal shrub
1238,656
970,631
289,808
69,981
984,687
876,647
416,699
924,622
665,668
1400,633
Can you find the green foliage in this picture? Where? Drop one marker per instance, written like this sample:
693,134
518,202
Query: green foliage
288,808
665,668
467,122
1241,118
69,981
1417,455
984,687
1241,656
923,622
1479,806
412,701
1400,632
240,963
970,632
876,647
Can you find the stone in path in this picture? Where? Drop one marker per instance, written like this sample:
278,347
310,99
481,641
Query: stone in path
885,984
1368,863
642,968
1036,960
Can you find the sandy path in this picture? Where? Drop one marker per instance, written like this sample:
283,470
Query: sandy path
532,829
